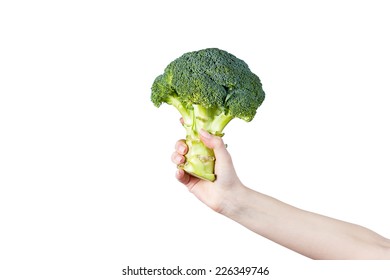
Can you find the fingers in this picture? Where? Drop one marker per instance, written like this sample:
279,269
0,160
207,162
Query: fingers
180,150
181,147
177,158
182,176
211,141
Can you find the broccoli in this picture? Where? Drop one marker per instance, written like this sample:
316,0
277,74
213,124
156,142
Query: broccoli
209,88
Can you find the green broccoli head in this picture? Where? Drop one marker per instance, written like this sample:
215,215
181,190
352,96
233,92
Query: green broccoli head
209,87
211,78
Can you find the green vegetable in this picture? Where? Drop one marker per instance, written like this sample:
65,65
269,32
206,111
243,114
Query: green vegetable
209,88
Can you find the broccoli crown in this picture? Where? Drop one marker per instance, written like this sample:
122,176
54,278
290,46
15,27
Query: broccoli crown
211,78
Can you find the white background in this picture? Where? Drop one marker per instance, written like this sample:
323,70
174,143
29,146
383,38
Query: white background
86,182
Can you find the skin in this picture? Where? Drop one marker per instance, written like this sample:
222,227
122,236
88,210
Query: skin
307,233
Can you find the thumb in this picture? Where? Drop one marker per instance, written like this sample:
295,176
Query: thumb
216,143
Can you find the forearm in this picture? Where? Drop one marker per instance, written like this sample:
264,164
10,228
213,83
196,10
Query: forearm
309,234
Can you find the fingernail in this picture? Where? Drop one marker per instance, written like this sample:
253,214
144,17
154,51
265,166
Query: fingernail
178,159
181,149
204,133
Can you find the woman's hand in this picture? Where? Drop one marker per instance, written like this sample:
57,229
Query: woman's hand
215,194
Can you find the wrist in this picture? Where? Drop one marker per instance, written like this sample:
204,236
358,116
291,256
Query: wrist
235,201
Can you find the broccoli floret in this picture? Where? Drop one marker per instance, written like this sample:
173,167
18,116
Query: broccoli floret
209,88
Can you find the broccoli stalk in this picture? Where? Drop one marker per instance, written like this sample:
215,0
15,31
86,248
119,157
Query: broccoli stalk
209,88
200,159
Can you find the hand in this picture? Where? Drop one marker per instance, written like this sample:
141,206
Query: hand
214,194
